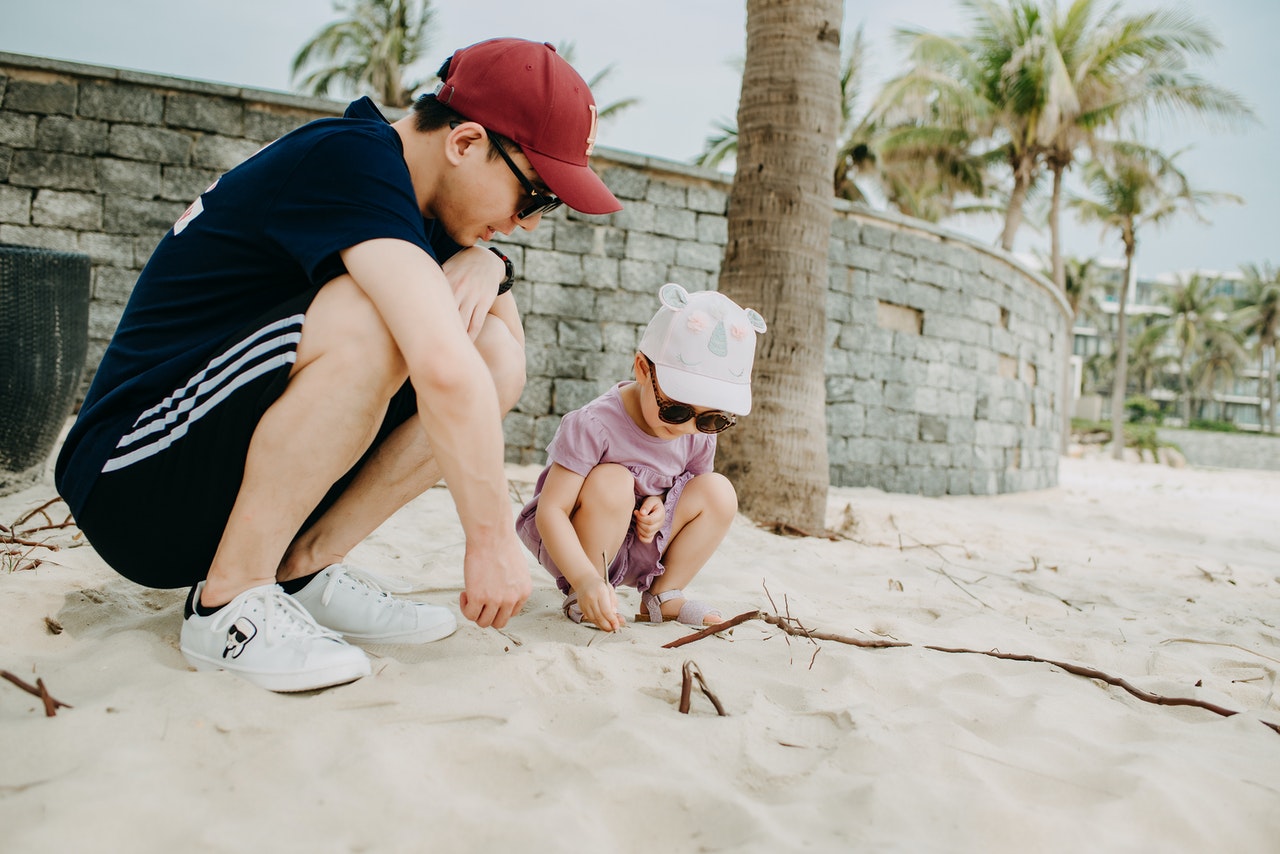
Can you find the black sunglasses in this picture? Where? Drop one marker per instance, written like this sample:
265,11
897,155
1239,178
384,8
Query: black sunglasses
673,412
539,201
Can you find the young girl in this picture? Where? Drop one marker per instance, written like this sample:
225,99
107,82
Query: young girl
628,495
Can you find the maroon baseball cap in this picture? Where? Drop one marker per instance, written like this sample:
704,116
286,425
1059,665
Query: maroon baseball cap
527,92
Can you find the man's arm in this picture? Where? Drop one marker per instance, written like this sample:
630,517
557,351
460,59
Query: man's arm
460,414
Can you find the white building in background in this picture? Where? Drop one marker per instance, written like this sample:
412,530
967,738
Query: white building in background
1243,404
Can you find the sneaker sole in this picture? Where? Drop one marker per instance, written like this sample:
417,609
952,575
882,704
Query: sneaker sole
307,680
426,635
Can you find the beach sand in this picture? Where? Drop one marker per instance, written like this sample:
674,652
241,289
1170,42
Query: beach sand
549,736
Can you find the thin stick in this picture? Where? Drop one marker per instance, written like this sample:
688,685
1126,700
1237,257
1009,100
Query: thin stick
711,630
51,705
785,623
689,672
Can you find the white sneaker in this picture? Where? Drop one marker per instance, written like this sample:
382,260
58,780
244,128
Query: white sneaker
355,602
267,638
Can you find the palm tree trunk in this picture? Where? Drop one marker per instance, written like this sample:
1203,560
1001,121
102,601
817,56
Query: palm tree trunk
1270,374
780,215
1060,282
1017,200
1122,358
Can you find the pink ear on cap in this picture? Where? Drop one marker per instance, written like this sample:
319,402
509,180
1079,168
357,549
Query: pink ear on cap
703,346
527,92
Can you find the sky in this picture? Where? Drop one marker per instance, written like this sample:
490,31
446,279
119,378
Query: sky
677,57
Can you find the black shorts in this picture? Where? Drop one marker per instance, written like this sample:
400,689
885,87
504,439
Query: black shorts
157,512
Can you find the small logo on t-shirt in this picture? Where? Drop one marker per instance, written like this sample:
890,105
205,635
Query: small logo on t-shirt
193,210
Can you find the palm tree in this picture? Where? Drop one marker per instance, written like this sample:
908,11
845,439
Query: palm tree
1133,187
855,154
1258,316
1197,325
1036,80
775,261
369,50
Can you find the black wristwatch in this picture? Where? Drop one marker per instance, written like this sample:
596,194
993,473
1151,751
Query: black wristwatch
510,278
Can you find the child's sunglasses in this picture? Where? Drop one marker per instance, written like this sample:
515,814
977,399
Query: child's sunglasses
672,412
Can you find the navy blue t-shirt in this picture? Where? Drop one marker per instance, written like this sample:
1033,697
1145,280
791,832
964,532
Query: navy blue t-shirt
266,231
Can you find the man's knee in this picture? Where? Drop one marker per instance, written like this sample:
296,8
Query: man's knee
344,329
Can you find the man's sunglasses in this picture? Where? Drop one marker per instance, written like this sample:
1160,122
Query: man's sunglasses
540,202
672,412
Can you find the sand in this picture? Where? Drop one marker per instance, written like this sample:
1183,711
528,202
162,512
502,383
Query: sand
549,736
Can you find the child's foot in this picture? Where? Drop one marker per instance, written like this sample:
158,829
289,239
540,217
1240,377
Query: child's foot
672,605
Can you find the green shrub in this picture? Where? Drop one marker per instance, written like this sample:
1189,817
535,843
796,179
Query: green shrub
1216,426
1143,410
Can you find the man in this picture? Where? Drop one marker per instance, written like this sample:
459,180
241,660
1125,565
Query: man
256,406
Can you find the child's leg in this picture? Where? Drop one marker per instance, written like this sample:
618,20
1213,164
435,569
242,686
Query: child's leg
703,515
603,510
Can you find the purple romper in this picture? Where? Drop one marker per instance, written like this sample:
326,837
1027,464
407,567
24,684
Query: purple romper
603,432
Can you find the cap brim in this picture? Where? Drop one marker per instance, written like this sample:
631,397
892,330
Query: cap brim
704,392
577,186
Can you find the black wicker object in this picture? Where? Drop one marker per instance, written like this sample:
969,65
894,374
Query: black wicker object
44,337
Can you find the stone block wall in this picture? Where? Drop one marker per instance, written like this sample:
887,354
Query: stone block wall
944,358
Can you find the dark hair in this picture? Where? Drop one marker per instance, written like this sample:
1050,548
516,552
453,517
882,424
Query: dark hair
429,114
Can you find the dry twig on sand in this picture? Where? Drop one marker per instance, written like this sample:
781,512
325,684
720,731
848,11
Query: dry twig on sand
51,705
689,673
791,626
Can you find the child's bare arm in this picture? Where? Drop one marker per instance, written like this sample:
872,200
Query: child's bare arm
596,597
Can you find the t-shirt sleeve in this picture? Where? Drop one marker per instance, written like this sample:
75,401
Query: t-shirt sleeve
703,458
579,444
349,187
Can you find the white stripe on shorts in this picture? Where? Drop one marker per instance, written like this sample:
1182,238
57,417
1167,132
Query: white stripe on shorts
159,427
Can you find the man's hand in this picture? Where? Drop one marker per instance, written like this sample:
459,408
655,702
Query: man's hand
496,580
474,274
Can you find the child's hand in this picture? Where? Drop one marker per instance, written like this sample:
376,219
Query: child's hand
599,604
649,518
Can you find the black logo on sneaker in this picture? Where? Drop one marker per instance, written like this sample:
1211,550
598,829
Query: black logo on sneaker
238,636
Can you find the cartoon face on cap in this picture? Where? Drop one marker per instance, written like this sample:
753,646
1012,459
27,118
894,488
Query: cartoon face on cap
703,345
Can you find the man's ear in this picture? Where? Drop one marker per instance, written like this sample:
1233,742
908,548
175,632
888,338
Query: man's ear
463,139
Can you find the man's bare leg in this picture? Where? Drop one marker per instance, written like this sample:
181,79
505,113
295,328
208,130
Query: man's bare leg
400,469
346,371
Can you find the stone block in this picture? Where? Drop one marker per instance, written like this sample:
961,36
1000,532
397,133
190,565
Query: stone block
124,215
700,256
201,112
184,183
113,285
598,272
580,335
575,237
114,250
129,177
52,97
121,102
149,144
708,200
562,300
221,153
544,430
56,171
650,247
643,277
675,222
570,394
636,216
666,194
713,229
60,209
18,130
15,205
625,183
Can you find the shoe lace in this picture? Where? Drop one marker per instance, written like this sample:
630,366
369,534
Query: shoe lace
280,611
366,581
